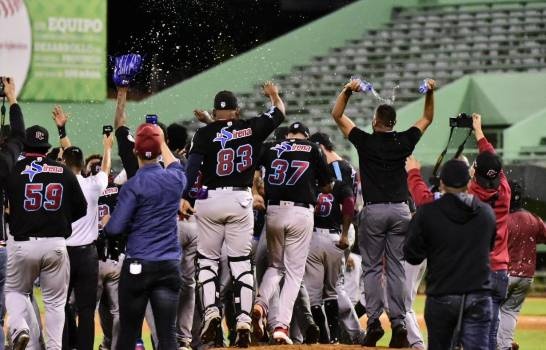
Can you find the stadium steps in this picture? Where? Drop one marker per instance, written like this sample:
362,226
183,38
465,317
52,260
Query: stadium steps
444,42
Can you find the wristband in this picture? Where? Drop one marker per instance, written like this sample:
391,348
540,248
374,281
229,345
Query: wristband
62,132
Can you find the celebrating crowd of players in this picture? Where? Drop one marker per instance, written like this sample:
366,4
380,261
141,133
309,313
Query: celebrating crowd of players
255,228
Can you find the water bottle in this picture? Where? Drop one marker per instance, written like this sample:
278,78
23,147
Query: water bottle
423,88
139,345
365,86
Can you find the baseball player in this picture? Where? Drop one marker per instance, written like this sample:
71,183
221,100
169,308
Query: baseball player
292,170
82,251
226,152
44,198
326,260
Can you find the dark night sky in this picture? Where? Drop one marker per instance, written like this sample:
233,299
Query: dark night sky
181,38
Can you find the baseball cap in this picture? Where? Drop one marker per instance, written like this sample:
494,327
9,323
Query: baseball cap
37,137
455,174
322,139
225,100
298,127
148,141
488,167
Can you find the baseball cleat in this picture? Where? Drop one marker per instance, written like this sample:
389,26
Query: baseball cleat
243,335
258,322
373,334
21,340
399,337
312,334
212,320
280,336
184,344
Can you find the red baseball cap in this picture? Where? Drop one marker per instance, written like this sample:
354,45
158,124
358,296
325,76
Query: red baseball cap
148,141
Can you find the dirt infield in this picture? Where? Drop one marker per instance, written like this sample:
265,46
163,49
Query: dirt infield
314,347
524,322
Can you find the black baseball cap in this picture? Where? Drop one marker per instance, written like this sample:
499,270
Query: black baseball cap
37,137
280,133
298,127
225,100
75,152
488,167
455,174
322,139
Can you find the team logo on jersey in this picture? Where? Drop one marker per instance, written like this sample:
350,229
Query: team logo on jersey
287,147
269,113
224,135
109,191
33,169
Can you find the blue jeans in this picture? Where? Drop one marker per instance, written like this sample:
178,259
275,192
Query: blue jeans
159,283
3,259
441,314
499,291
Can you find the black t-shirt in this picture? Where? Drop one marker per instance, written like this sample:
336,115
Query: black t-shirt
328,208
126,144
230,149
109,246
293,169
45,198
382,159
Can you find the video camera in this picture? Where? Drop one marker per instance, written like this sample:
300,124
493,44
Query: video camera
2,93
463,120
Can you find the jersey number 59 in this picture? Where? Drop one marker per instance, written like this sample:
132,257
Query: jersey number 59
50,199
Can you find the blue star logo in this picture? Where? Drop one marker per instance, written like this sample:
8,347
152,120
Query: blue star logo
223,137
281,148
31,170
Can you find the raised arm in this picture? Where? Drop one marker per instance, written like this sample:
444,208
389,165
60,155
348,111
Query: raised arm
203,116
120,118
338,112
272,91
61,118
107,142
428,113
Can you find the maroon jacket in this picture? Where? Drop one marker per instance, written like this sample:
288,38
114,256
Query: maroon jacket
525,231
422,195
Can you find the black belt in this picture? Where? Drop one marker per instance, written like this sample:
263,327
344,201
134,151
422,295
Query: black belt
230,188
296,204
386,202
27,238
74,247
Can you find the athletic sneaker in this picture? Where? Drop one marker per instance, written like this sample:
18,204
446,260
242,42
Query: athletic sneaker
373,333
184,344
399,337
243,335
258,322
211,321
280,336
21,340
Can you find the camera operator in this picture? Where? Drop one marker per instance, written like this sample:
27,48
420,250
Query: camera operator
490,185
455,234
11,146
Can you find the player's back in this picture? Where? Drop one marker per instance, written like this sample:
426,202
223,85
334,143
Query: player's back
230,148
293,170
45,198
328,209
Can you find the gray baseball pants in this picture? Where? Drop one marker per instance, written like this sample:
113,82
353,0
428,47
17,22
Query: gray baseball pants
381,238
107,295
226,216
414,275
289,231
187,234
46,258
518,287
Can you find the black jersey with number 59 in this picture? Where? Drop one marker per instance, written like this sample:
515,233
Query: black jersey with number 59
293,170
231,148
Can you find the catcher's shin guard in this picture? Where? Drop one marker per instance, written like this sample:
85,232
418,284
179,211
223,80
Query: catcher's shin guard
320,320
208,284
332,315
243,286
